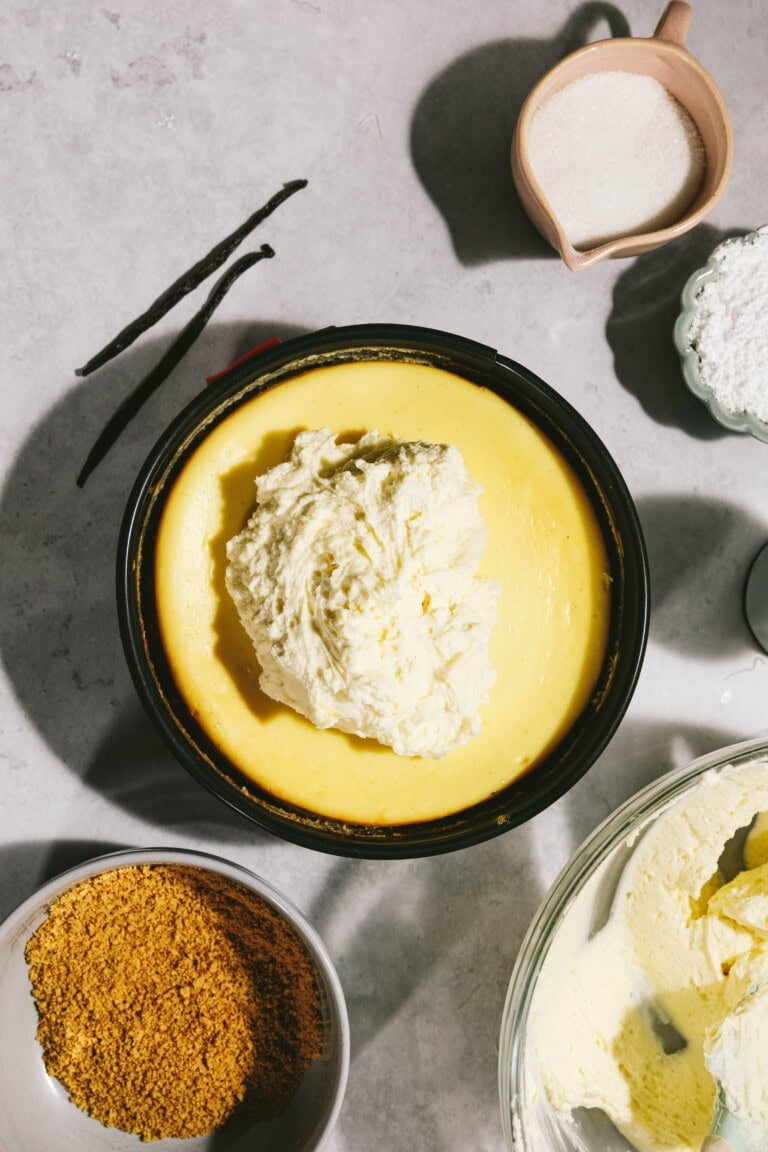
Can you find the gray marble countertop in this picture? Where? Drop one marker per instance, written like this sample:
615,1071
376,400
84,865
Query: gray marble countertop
133,139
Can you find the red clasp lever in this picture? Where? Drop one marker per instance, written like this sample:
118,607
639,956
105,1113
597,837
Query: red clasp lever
242,359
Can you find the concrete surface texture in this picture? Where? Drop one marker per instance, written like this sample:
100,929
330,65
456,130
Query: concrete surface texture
133,139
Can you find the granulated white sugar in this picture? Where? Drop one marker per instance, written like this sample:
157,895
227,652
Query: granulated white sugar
729,328
615,154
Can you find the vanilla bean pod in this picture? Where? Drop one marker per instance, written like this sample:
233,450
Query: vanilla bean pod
188,281
168,361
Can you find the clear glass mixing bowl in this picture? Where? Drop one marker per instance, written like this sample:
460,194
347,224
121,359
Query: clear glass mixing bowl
529,1121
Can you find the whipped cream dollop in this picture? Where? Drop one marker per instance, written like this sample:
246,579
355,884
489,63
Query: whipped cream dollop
356,580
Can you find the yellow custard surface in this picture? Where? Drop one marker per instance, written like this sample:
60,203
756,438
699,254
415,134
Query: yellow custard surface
545,548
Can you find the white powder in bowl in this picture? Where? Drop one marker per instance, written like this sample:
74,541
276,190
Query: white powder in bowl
729,327
615,154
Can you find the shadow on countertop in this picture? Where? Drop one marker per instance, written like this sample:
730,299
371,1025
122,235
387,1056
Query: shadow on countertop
706,544
646,304
59,639
461,136
26,865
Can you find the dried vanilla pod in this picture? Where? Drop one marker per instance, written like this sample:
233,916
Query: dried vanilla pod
187,282
125,412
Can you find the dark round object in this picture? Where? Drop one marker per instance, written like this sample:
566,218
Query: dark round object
573,438
756,598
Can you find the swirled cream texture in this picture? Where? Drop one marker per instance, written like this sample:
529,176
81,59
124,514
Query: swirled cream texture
627,1012
735,1051
356,580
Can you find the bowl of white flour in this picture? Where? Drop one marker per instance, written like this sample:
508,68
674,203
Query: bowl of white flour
721,334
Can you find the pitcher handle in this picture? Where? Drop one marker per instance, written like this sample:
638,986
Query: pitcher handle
674,23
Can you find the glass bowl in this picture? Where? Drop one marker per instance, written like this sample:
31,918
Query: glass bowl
690,359
35,1111
528,1119
488,372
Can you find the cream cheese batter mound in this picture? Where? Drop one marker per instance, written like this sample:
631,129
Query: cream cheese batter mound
356,580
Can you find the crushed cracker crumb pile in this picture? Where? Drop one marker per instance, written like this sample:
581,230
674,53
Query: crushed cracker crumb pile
170,997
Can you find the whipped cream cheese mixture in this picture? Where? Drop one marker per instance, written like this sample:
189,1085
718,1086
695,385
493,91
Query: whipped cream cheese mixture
624,1010
356,580
735,1055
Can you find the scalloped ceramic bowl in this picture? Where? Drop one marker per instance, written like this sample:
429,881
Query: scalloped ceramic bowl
686,345
35,1111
